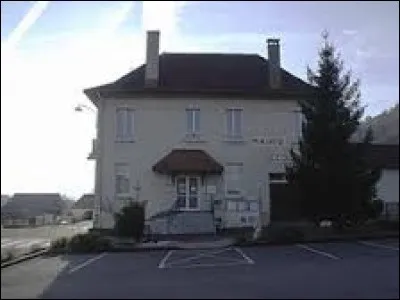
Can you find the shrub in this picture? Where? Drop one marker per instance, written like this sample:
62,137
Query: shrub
388,224
59,244
130,222
283,234
9,255
88,215
375,209
81,243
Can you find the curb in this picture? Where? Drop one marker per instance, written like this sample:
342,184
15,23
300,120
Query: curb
23,258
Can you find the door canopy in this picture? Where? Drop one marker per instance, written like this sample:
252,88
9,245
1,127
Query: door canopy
186,161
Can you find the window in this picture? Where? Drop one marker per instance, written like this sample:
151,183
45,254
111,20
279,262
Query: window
277,177
233,174
125,124
243,206
234,122
193,120
122,179
253,206
232,205
251,219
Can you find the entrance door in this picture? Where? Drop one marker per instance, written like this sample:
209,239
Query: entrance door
188,192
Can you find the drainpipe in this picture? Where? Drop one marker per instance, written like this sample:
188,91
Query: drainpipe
98,176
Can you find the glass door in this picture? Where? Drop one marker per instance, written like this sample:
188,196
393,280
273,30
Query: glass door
188,192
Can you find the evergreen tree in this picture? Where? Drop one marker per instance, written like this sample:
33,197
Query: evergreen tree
331,174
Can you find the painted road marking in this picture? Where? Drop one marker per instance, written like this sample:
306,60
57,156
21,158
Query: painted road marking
379,245
177,263
162,262
248,259
192,266
318,251
201,254
209,254
89,261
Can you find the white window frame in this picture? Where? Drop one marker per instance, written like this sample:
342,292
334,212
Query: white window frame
187,192
231,120
238,192
118,170
194,113
128,113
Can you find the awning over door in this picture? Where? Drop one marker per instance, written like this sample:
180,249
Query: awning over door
188,161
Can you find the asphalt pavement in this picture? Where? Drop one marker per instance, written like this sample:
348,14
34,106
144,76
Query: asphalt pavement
363,269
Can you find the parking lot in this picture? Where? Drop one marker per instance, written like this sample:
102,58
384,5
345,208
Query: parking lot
362,269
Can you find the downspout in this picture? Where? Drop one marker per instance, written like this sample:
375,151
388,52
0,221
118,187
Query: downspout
98,180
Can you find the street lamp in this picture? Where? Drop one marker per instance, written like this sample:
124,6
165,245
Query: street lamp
97,208
82,107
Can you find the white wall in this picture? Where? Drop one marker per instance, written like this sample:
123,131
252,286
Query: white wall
160,126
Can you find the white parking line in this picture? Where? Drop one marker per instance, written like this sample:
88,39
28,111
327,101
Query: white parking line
318,251
93,259
248,259
378,245
162,262
193,266
202,254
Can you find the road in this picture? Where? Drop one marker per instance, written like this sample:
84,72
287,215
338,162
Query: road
20,240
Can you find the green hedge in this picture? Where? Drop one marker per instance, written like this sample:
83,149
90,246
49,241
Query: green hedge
130,221
81,243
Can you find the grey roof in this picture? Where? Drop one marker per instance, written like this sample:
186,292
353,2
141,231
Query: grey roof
84,202
31,205
243,74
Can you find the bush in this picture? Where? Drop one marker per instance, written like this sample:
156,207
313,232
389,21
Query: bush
81,243
283,234
59,244
88,215
375,209
130,222
388,225
9,255
88,242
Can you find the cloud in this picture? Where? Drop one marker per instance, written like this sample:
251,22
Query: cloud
349,32
164,16
364,53
39,115
23,26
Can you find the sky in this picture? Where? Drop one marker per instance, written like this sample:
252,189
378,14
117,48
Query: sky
52,50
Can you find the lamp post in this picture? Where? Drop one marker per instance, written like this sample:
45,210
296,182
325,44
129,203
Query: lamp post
82,107
97,204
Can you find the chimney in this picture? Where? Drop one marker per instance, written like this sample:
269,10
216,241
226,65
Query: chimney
152,58
274,59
